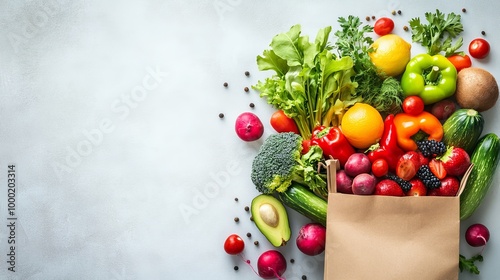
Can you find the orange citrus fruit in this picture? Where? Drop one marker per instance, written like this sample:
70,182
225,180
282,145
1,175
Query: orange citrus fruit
390,54
362,125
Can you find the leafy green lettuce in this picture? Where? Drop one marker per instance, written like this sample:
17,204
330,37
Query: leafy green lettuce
311,84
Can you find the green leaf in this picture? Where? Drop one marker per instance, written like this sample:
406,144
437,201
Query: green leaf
469,264
270,61
285,46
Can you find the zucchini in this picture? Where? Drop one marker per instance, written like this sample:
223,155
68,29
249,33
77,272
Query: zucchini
485,159
463,129
302,200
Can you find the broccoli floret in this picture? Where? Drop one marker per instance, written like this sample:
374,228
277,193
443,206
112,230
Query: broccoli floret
279,162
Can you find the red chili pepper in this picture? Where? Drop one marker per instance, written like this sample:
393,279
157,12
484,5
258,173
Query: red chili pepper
333,143
387,148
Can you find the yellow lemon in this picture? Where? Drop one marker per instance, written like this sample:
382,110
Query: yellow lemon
391,54
362,125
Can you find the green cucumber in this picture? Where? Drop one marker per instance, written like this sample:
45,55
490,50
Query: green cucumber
302,200
485,158
463,129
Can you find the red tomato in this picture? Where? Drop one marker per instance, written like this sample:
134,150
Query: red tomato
479,48
383,26
282,123
460,61
413,105
306,146
380,167
234,244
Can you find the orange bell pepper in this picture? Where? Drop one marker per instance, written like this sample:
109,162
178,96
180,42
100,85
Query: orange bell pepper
408,125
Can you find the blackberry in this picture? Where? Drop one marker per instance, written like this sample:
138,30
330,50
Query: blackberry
431,147
430,180
405,185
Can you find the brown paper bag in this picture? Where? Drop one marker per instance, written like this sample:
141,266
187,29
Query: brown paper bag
384,237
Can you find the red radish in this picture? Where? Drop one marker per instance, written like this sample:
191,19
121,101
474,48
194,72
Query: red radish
364,184
344,182
271,264
248,127
311,239
357,163
477,235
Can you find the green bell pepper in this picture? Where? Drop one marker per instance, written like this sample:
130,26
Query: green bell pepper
433,78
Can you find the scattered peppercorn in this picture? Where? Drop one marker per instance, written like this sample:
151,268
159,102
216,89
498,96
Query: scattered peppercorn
236,267
405,28
235,199
236,219
225,84
373,17
247,208
246,89
221,115
464,10
304,277
483,33
393,12
251,218
292,260
399,12
367,18
252,105
256,243
249,234
247,73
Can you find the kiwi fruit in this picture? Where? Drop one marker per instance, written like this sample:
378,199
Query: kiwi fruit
476,89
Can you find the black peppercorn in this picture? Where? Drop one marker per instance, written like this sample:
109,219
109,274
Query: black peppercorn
221,115
247,73
236,267
252,105
249,234
236,219
464,10
225,84
247,208
256,243
246,89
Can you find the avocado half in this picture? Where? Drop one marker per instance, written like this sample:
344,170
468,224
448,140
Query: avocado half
271,219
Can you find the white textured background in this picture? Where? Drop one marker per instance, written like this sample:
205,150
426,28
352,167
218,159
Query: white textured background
110,114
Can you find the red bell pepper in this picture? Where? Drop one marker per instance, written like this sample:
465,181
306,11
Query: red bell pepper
333,143
387,148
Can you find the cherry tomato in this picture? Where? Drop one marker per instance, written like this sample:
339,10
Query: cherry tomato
380,167
234,244
306,146
413,105
479,48
460,61
383,26
282,123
